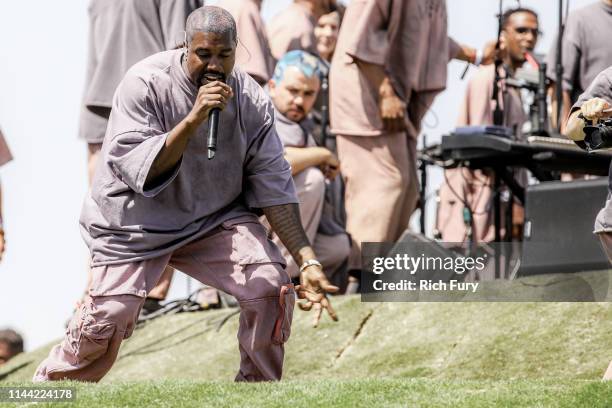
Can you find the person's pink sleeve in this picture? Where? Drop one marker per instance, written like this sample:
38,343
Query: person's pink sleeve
453,48
370,20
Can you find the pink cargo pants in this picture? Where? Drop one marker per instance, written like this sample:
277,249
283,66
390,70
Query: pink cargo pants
236,258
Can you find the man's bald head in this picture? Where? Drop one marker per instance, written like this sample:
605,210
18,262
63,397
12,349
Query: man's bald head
211,19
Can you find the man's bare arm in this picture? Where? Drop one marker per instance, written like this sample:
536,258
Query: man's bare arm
169,156
565,107
392,108
286,223
300,158
468,54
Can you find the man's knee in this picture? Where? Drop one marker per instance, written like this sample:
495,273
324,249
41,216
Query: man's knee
310,184
264,281
117,313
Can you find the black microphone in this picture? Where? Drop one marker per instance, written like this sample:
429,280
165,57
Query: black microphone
213,120
213,124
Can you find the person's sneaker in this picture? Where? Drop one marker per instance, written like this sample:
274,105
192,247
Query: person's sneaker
150,305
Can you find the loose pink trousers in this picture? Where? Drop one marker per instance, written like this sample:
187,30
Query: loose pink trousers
236,258
382,187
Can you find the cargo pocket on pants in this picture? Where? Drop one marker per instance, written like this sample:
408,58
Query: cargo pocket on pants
282,327
89,339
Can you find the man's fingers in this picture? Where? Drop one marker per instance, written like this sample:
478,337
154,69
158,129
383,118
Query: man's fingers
327,305
305,306
317,314
310,295
328,287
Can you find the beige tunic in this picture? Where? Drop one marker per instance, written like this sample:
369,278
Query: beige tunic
292,29
253,53
409,38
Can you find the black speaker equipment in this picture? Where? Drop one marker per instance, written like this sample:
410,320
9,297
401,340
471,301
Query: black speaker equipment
558,233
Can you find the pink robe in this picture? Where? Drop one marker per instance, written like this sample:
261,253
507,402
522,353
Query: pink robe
292,29
475,186
407,38
253,53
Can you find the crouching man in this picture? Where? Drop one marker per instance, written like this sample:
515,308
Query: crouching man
157,200
594,104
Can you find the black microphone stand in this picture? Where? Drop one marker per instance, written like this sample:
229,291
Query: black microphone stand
498,114
559,67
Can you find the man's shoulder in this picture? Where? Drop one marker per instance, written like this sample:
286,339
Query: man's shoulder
248,88
604,77
154,65
145,74
583,16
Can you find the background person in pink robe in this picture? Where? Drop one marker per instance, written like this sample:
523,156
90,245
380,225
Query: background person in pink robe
293,28
293,90
389,64
474,187
253,54
157,200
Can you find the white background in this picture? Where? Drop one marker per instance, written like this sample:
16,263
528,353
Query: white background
42,68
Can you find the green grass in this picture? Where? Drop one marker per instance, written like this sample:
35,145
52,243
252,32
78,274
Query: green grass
408,392
378,354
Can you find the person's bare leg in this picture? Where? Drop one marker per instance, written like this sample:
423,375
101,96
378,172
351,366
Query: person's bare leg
93,154
160,291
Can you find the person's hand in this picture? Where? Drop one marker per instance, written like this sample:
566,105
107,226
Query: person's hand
330,166
392,108
214,94
490,53
314,288
595,109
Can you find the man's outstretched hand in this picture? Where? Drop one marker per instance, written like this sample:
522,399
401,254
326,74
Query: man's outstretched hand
314,288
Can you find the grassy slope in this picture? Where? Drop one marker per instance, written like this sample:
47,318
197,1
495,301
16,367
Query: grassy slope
473,354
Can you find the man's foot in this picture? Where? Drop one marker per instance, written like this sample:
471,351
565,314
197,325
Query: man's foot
150,305
608,375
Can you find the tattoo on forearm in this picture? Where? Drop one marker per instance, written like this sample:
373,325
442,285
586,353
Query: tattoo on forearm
285,221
